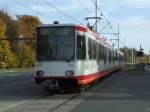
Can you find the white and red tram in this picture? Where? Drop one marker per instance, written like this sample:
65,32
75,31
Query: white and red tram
70,56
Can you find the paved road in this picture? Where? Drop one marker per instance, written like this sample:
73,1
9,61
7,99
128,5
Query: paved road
16,88
125,92
19,93
122,92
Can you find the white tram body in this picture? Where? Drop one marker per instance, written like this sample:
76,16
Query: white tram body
69,56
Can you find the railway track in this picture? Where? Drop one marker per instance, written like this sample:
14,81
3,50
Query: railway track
77,98
63,103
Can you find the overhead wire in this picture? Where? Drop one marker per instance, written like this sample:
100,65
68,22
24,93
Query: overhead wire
103,28
50,5
101,12
83,6
103,15
61,12
26,7
108,24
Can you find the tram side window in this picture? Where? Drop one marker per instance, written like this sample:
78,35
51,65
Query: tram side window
109,56
90,48
81,49
122,58
99,52
116,56
119,58
102,52
105,58
113,57
94,49
107,52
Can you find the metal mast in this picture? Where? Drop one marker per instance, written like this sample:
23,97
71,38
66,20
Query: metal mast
118,38
96,16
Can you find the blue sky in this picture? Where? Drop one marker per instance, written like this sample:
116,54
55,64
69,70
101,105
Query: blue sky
132,15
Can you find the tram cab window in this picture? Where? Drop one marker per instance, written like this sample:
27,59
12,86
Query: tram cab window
55,43
42,51
81,47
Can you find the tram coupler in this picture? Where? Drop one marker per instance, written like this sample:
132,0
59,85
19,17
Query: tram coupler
50,85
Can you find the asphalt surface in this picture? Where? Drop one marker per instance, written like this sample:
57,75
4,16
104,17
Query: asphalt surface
124,91
19,93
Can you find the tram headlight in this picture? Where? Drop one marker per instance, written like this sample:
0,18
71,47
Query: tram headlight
39,73
69,73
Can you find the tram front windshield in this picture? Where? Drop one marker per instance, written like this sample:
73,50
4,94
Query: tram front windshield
55,43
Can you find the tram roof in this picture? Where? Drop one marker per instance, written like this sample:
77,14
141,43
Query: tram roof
47,25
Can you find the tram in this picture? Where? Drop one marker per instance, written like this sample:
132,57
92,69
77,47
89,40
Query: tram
71,56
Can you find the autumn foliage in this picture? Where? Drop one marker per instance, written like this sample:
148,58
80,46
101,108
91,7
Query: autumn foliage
15,52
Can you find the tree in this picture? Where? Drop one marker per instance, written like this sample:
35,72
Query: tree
7,58
25,56
27,25
27,29
11,29
2,28
15,53
128,54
